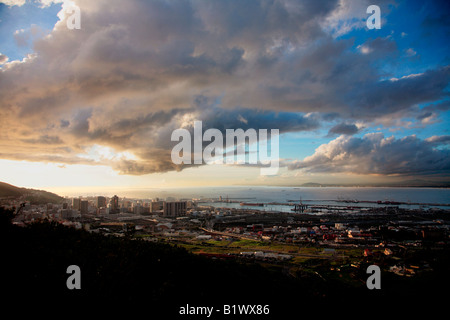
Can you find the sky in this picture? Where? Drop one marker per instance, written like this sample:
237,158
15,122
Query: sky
95,107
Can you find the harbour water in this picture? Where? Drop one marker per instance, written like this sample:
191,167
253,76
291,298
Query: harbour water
273,197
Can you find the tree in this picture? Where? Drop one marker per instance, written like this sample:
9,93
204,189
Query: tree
6,216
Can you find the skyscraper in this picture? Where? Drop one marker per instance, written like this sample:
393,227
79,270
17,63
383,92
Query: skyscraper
114,205
156,206
84,207
76,203
101,202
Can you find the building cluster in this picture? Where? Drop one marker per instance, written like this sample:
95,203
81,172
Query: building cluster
185,221
266,256
352,235
85,210
103,206
171,215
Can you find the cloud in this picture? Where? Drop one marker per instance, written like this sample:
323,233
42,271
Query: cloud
343,128
11,3
375,154
43,3
45,139
47,3
410,52
3,58
391,96
364,49
414,117
135,72
24,37
349,15
269,60
439,140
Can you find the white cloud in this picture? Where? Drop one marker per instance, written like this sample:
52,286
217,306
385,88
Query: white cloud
47,3
347,16
439,139
12,3
242,119
351,15
409,76
3,58
364,49
410,52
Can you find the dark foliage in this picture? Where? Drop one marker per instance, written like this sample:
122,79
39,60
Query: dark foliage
128,273
124,275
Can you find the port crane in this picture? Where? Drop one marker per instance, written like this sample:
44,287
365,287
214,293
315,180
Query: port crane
299,207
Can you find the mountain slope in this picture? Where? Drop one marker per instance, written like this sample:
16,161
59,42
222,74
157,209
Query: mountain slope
8,190
32,195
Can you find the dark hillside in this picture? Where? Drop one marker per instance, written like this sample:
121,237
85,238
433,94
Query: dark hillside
32,195
140,277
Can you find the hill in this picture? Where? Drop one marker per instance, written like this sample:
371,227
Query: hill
34,196
8,190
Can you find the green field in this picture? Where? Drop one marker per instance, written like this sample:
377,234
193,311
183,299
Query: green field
300,253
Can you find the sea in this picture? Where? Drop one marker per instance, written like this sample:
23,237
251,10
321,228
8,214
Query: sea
271,198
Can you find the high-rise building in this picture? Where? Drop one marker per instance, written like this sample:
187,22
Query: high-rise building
156,206
76,203
174,209
137,208
84,207
126,205
101,202
114,205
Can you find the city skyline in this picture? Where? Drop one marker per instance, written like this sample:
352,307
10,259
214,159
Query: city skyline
94,108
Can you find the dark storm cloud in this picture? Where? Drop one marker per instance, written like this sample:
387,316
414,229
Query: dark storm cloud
214,116
393,95
45,139
439,140
375,154
343,128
